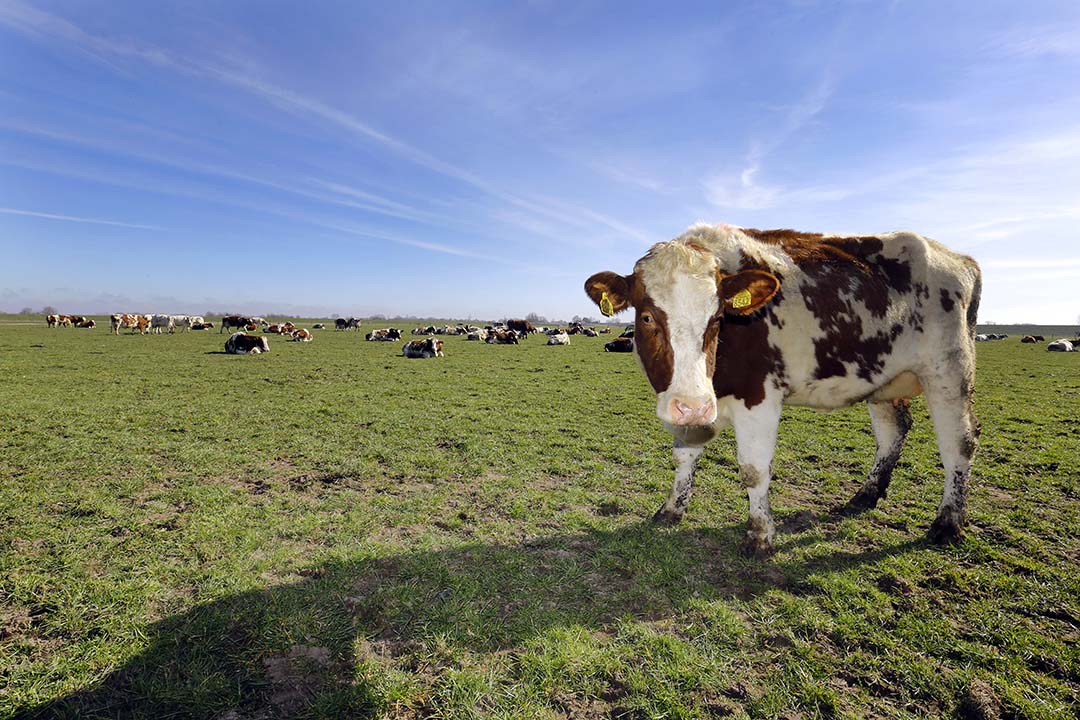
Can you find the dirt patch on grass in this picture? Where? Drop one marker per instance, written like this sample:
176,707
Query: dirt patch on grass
296,676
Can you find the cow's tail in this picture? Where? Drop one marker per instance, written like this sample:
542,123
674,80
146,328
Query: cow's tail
976,295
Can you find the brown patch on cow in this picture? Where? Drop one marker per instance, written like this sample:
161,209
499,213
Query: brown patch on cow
744,360
652,340
947,303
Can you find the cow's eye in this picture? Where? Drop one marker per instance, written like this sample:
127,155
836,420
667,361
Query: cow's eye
647,319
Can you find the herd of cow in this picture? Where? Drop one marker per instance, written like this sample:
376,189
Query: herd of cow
243,343
1060,345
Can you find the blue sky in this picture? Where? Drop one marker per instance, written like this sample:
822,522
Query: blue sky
481,159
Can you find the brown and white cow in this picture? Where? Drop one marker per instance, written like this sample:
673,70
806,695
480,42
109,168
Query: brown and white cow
52,320
500,337
427,348
241,344
384,335
88,324
559,338
302,335
732,324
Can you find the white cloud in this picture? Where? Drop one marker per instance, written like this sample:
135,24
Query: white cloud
73,218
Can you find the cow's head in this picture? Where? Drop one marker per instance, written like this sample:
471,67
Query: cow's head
681,296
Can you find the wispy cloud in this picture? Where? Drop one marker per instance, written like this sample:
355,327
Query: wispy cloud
742,190
43,25
1032,42
74,218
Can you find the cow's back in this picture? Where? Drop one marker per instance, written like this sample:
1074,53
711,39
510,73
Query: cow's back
853,314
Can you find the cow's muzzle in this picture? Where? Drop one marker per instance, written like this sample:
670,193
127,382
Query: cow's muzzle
684,411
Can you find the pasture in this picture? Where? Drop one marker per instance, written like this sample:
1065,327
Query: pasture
331,530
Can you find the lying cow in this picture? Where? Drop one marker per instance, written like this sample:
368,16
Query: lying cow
88,324
620,345
501,337
732,324
427,348
384,335
318,326
302,335
1061,345
241,344
202,326
561,338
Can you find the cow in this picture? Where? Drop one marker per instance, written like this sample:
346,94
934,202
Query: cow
522,327
479,334
202,326
302,335
76,320
1061,345
502,337
731,324
64,321
275,330
427,348
185,322
52,320
159,322
88,324
257,321
619,345
1029,339
241,344
347,324
418,331
561,338
627,333
233,321
318,326
605,331
982,338
1039,339
384,335
589,332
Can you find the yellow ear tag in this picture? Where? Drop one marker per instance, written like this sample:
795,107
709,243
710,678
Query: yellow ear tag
606,308
741,299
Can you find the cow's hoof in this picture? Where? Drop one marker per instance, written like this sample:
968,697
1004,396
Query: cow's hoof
862,501
945,531
664,516
756,547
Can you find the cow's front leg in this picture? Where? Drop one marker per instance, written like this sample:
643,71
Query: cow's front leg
686,459
755,434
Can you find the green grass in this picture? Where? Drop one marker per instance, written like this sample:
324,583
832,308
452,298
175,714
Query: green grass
330,530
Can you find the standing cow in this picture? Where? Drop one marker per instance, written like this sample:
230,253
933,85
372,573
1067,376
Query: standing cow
731,324
522,327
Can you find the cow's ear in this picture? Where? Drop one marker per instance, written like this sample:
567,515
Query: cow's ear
610,291
747,291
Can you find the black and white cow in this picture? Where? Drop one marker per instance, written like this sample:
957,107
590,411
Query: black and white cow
427,348
732,324
241,344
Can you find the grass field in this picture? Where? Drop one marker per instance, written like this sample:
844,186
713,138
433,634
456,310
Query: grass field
330,530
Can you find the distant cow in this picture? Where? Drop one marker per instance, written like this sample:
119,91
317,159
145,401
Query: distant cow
479,334
302,335
1060,346
318,326
427,348
241,344
522,327
981,338
561,338
734,323
501,337
202,326
88,324
160,322
347,324
589,332
234,321
52,320
384,335
622,344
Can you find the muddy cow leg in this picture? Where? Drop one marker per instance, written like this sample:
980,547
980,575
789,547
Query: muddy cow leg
891,422
755,434
686,459
951,406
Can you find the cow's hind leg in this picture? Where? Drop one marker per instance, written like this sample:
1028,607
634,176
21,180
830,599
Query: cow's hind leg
891,421
689,445
951,406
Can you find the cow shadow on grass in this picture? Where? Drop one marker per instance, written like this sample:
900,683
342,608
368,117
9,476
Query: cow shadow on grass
293,649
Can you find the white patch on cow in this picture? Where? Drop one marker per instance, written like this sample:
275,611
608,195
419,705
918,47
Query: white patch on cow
688,301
